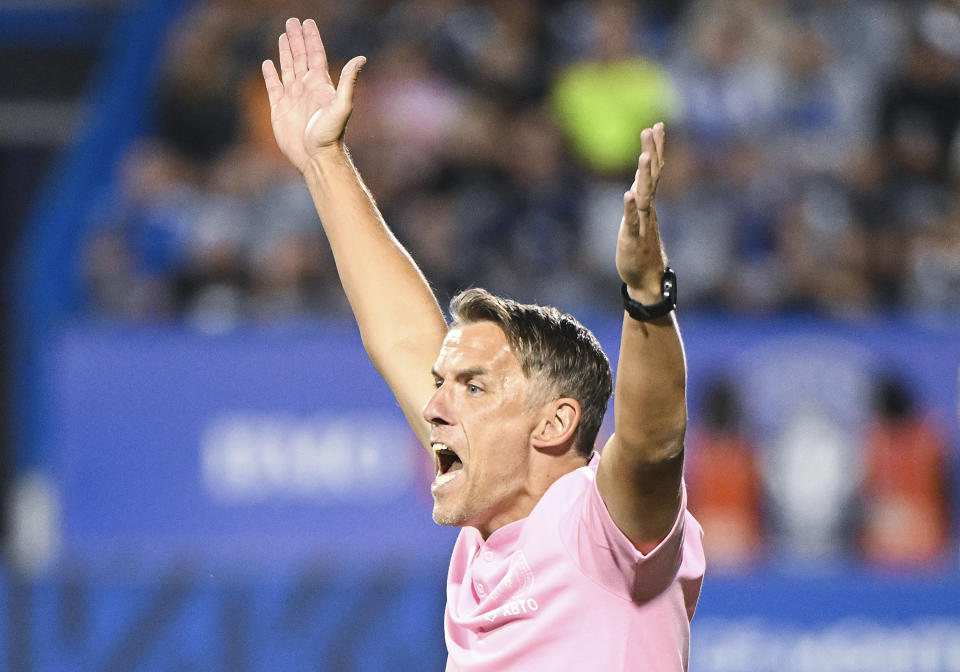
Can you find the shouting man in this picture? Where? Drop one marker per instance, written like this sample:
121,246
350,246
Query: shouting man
566,559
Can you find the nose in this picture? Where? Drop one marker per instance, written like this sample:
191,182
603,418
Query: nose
437,410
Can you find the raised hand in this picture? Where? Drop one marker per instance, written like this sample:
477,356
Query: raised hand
307,111
640,255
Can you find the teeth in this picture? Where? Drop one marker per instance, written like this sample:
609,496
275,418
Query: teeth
445,458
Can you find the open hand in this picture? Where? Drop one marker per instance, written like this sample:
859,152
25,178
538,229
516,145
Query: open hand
308,113
640,255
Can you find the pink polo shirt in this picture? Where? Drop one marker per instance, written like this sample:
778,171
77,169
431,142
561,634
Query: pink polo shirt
564,589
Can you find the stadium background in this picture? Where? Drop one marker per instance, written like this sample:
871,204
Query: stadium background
201,470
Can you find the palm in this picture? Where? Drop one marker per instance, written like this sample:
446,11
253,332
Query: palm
640,257
307,112
302,117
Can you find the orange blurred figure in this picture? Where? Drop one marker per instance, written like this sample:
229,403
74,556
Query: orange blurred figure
724,480
906,519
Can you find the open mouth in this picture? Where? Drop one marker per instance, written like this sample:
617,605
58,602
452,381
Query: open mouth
448,463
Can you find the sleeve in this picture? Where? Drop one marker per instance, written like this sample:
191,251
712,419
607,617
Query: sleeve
606,556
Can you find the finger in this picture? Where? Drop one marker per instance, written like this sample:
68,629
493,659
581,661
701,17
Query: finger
629,202
649,147
272,81
644,182
316,54
348,79
299,49
286,60
659,137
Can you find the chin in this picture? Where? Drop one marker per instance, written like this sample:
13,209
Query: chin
448,522
448,517
444,518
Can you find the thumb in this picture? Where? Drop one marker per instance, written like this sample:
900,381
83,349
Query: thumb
348,78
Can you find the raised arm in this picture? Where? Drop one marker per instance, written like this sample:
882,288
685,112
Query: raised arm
640,473
400,322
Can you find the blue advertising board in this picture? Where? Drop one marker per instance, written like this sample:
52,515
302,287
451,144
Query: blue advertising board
285,441
828,621
278,444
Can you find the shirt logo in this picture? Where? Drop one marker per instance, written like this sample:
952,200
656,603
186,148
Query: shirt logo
513,608
512,593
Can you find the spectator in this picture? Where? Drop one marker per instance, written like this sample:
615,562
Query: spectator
906,496
727,85
725,485
605,99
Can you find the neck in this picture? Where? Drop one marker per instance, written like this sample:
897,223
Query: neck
545,469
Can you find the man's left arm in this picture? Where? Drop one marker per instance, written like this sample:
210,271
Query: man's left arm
641,470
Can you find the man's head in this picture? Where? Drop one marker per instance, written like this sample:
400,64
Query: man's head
515,383
560,355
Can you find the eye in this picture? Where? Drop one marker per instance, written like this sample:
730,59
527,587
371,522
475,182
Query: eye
437,383
473,389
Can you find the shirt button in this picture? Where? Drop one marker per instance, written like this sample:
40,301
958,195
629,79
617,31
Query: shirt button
481,590
488,556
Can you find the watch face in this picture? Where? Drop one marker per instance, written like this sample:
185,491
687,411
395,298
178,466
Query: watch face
669,285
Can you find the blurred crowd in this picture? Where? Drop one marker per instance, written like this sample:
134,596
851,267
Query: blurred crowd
813,157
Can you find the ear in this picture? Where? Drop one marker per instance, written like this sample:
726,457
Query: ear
557,426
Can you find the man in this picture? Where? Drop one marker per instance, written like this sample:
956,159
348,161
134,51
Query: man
565,560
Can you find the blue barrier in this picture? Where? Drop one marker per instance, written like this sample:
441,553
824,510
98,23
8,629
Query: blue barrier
832,621
390,618
184,619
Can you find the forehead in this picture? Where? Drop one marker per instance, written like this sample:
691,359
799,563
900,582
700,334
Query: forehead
477,345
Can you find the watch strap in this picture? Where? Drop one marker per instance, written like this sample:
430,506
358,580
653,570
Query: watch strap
667,303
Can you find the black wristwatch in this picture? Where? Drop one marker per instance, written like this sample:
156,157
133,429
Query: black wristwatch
668,302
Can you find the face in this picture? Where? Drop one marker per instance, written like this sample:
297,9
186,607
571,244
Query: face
482,421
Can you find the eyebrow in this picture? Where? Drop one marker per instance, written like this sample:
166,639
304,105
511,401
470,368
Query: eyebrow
463,373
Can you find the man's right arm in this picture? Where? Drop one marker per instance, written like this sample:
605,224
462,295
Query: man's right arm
399,319
400,322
